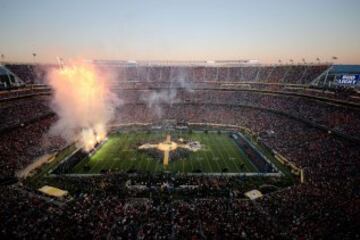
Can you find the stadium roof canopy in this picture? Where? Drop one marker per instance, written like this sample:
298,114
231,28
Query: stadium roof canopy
345,69
3,71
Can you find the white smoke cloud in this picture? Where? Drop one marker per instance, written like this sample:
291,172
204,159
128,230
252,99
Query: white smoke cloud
84,103
157,99
180,79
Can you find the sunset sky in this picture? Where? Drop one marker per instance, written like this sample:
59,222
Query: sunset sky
266,30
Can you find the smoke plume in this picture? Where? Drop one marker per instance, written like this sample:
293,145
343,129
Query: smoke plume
83,102
157,99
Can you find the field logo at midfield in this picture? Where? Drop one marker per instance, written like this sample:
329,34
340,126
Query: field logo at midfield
167,146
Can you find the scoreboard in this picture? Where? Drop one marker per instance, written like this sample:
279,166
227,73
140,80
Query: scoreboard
348,79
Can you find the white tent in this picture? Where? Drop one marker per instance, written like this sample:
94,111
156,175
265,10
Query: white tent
253,194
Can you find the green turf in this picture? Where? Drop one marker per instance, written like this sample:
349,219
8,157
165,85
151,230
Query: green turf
120,153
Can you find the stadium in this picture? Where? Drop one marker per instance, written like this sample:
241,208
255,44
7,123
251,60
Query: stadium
282,136
197,149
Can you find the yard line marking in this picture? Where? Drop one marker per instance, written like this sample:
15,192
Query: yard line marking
215,147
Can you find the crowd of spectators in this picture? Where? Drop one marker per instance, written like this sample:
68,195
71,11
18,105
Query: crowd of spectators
20,111
300,74
335,117
31,73
325,206
22,145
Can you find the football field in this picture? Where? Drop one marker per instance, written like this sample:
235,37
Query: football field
218,153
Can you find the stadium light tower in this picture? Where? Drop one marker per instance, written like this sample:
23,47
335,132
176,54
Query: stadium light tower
60,62
34,56
334,58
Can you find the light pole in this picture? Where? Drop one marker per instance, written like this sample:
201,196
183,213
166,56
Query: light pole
334,58
34,56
